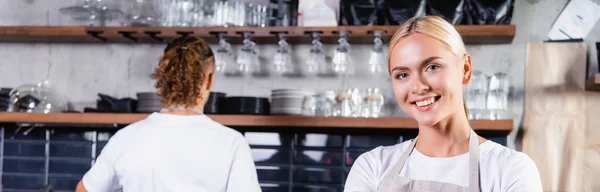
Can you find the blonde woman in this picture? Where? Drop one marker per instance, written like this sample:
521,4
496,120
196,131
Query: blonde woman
429,66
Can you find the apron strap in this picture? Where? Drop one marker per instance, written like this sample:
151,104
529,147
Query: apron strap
400,164
474,184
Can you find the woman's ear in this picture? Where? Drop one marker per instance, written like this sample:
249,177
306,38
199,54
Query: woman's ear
209,80
467,69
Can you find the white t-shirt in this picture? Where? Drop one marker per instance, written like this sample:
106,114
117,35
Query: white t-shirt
501,169
174,153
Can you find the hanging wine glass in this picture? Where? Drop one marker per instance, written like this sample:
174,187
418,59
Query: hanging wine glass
377,58
316,63
247,59
224,61
342,64
282,62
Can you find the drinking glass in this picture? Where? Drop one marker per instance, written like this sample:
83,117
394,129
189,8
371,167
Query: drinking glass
256,15
94,12
142,13
247,58
477,92
224,61
497,98
237,13
316,63
377,57
373,103
282,62
345,106
182,13
342,64
318,105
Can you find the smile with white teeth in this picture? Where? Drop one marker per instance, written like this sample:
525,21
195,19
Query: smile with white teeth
425,102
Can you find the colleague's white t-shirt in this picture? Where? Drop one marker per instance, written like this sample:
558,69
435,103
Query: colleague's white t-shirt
174,153
501,169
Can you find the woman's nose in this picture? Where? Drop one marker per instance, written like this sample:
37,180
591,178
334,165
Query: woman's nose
420,86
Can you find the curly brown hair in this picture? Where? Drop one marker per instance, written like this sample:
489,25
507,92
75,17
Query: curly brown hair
181,71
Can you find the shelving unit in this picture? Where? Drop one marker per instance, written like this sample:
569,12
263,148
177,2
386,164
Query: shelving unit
243,120
593,83
472,34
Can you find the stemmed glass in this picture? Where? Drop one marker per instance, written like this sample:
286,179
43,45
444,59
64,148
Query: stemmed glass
316,63
374,100
342,65
282,62
247,59
224,56
377,58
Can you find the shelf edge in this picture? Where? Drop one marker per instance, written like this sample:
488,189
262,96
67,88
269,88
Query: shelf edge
244,120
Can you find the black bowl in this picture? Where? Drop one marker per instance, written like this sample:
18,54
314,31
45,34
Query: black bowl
247,105
214,104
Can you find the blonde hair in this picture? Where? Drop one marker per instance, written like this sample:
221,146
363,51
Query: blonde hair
432,26
435,27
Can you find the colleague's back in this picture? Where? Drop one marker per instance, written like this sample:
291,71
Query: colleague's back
174,153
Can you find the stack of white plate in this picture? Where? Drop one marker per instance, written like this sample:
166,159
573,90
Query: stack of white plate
148,102
288,101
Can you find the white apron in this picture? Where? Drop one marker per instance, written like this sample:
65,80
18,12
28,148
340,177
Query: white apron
393,182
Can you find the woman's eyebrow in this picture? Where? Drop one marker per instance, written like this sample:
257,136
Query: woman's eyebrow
428,60
424,62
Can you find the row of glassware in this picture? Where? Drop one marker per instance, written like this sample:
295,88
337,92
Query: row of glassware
180,13
487,96
316,64
351,102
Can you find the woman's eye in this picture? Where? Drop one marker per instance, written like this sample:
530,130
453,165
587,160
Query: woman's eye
432,67
401,75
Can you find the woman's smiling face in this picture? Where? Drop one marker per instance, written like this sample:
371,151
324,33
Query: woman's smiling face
428,78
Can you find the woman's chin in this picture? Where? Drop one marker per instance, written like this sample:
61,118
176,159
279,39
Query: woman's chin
427,120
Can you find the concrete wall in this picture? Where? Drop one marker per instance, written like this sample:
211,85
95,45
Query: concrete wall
82,71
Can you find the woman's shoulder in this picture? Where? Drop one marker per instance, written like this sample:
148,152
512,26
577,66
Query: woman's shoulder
390,149
370,167
495,153
384,155
511,168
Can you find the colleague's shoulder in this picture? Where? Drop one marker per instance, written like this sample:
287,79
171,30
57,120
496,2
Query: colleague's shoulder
130,129
222,129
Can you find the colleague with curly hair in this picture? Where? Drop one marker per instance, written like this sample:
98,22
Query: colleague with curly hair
179,148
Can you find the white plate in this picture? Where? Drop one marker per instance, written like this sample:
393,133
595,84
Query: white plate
292,93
